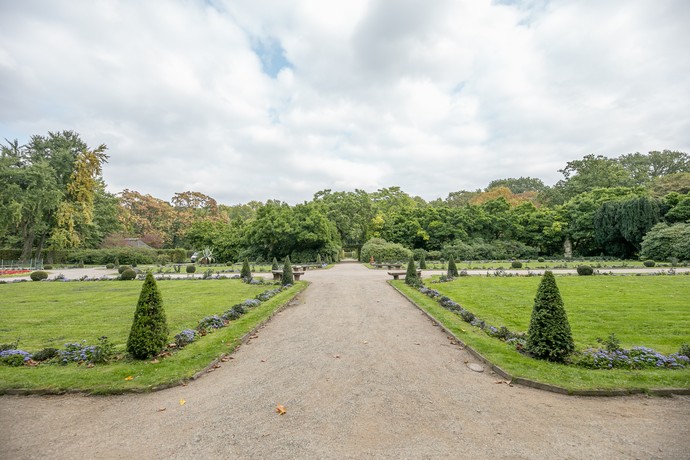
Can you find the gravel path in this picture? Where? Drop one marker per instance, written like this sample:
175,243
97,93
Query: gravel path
361,373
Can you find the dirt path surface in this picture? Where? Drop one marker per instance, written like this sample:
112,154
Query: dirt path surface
362,374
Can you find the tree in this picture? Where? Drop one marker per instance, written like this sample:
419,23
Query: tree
646,168
411,277
589,173
619,226
149,332
664,241
549,335
519,185
274,265
452,268
287,277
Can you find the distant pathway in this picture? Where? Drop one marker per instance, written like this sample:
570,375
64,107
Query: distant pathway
362,373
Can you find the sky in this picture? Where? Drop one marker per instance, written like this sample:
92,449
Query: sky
255,100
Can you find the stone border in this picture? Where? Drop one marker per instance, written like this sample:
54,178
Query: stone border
541,385
165,386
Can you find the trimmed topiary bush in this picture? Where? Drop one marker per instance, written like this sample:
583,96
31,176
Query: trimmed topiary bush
45,354
47,267
516,264
452,268
39,275
122,268
541,259
422,262
411,277
246,272
191,268
149,332
549,335
287,277
109,266
649,263
274,265
128,274
585,270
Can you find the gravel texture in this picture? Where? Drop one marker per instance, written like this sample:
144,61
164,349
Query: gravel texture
361,373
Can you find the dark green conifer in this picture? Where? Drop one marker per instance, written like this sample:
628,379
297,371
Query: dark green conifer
287,277
246,272
149,332
452,269
422,262
274,266
411,277
549,335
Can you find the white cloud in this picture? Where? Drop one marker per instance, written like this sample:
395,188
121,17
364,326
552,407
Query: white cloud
433,97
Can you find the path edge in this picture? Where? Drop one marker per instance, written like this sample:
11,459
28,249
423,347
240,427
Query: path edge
540,385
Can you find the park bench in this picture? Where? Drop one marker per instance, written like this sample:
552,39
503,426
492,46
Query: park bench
278,275
390,266
397,275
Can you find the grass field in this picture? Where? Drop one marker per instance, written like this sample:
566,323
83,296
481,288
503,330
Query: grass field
640,310
51,314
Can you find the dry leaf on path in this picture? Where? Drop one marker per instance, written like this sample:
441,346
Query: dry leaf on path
182,402
129,377
161,409
280,409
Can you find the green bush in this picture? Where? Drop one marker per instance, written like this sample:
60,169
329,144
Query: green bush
422,262
541,259
549,335
585,270
452,268
516,264
288,277
274,265
149,332
246,272
39,275
381,251
411,277
649,263
109,266
122,268
128,274
47,267
190,268
45,354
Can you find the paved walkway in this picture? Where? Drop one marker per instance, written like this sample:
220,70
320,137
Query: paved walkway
362,374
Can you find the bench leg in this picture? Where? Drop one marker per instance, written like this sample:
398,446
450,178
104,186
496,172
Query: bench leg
395,277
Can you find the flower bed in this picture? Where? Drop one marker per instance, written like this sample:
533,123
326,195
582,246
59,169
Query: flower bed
15,271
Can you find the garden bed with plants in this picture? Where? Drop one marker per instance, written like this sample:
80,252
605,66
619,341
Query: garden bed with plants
60,337
630,333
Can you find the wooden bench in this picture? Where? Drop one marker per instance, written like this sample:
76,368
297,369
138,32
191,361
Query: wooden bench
397,275
278,275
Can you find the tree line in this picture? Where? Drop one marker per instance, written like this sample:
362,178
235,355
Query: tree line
636,205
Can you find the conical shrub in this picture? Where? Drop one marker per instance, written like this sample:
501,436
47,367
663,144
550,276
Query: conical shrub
411,277
274,265
549,335
287,277
246,272
452,269
149,332
422,262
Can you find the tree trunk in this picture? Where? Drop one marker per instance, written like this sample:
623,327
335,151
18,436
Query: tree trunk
28,238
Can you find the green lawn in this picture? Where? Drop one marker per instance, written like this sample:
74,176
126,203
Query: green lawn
51,314
640,310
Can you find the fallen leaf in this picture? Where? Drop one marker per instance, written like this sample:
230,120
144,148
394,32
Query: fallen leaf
216,366
160,409
88,366
182,401
225,359
336,356
365,342
155,361
280,409
129,377
263,360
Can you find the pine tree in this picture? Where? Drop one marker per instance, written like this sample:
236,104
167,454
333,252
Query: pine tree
287,277
422,262
246,272
274,266
149,332
549,335
452,269
411,277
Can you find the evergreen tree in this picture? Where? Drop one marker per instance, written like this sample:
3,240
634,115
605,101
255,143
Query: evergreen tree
274,266
549,335
452,269
411,277
246,272
422,262
287,277
318,260
149,332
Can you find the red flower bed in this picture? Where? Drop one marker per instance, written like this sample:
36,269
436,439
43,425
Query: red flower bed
14,272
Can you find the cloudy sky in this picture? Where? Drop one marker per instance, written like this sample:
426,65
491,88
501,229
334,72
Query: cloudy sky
250,99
